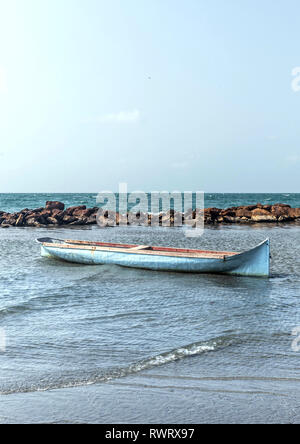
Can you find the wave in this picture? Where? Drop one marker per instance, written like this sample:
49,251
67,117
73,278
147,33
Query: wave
174,355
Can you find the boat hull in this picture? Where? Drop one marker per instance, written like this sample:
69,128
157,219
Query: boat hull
254,262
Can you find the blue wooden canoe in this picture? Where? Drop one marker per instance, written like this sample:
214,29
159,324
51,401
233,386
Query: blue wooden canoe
253,262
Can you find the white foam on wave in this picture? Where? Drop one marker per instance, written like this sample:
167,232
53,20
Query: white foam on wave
172,356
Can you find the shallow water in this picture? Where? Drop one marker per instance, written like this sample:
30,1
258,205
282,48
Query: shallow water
151,346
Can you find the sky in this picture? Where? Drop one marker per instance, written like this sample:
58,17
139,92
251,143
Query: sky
159,94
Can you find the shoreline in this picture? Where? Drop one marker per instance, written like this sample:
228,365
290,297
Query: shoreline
54,214
148,399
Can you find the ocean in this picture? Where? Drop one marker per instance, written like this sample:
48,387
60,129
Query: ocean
16,202
105,344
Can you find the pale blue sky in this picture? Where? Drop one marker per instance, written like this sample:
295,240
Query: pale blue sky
161,94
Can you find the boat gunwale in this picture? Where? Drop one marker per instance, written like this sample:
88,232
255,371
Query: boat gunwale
150,247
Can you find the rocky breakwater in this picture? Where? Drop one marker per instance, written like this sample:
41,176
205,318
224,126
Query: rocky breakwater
54,214
252,214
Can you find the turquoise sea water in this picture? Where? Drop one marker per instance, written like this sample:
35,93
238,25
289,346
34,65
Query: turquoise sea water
16,202
110,344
